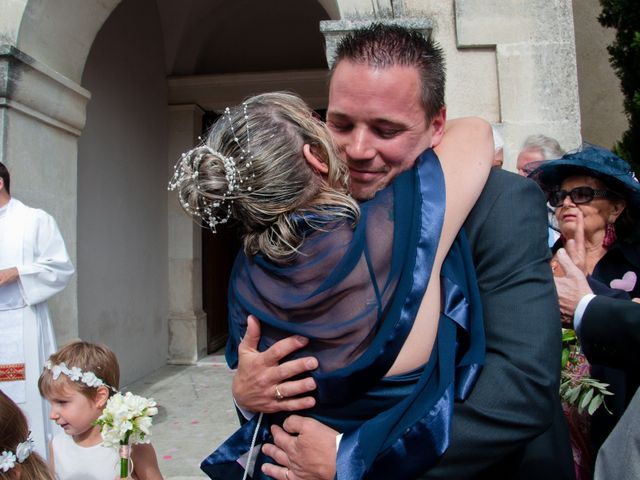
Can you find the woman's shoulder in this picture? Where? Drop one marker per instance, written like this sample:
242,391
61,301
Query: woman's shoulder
628,254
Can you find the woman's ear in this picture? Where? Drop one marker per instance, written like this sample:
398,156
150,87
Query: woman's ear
618,207
313,160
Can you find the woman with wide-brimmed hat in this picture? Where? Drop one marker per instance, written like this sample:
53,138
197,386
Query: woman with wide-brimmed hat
596,197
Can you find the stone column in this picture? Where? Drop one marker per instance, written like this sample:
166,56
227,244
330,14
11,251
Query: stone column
536,60
42,114
187,320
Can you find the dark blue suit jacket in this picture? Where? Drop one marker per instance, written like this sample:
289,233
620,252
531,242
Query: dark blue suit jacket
512,425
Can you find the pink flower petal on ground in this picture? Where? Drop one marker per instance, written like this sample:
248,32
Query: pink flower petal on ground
194,422
167,457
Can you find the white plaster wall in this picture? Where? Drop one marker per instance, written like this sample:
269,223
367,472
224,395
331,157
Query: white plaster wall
61,31
122,209
11,11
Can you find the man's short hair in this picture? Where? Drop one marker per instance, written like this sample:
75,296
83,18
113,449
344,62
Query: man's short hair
384,45
6,178
549,147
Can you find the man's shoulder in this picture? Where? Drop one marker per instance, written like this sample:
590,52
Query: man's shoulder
506,193
501,180
25,210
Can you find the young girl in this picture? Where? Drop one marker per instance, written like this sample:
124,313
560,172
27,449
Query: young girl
77,381
18,460
351,278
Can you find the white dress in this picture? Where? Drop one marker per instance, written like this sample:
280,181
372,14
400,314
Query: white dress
73,462
31,242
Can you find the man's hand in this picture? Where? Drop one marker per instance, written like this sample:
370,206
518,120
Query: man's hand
304,450
571,288
260,373
8,275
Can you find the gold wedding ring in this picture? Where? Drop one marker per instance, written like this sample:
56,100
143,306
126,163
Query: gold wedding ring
279,396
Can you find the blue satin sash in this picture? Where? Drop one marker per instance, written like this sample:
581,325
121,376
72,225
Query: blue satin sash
397,431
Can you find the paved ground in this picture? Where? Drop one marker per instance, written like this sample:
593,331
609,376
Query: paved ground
196,414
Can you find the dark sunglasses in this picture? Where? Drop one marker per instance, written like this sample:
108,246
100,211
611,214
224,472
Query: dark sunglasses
579,195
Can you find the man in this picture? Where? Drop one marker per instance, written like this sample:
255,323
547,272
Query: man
386,101
609,332
34,266
536,149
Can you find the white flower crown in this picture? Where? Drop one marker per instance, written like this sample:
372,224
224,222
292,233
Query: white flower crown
23,450
76,374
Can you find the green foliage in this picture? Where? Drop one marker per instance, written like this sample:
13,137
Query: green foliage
624,54
577,387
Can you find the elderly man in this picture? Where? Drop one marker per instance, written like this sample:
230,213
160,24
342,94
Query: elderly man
34,266
386,99
536,149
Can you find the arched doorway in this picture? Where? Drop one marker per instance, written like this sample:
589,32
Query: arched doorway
211,74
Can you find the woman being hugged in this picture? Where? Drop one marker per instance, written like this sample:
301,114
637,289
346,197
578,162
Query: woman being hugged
350,277
77,381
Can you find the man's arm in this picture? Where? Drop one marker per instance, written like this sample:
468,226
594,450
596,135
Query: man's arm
516,395
51,269
608,328
610,332
8,275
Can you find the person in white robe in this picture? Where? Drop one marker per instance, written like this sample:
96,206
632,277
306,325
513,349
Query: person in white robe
34,266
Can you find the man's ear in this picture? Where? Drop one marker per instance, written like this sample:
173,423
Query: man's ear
437,124
313,160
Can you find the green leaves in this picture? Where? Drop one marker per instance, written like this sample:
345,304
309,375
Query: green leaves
624,55
577,388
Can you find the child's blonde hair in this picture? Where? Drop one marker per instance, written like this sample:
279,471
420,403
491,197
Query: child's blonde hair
252,168
14,430
89,357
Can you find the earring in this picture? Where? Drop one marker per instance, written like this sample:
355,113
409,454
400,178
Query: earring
610,236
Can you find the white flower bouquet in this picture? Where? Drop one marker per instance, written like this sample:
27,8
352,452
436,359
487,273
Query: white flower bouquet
126,420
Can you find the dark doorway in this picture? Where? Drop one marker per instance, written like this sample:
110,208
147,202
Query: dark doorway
219,250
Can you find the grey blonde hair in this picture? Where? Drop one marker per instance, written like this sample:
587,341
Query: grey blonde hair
254,171
548,146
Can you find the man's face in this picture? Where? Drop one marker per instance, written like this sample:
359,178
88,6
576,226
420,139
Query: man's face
528,156
378,122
